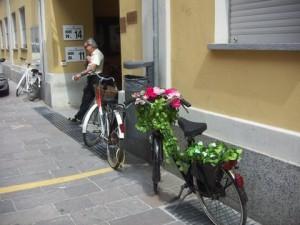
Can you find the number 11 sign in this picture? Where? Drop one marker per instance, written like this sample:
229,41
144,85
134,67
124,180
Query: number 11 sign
74,54
73,32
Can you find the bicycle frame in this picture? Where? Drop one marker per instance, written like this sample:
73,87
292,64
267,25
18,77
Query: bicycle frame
26,77
99,104
29,78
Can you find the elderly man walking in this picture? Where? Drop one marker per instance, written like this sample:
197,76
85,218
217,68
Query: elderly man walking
95,62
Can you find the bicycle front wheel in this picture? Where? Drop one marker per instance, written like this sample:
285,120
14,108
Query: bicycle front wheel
228,206
115,154
91,128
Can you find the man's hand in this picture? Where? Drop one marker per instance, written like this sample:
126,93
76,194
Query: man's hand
77,76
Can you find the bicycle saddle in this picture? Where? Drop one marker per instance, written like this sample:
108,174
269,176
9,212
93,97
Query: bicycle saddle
191,129
34,71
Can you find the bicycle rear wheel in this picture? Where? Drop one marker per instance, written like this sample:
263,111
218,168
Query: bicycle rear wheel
33,91
115,154
228,206
91,129
156,151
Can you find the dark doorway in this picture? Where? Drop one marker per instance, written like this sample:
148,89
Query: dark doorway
107,35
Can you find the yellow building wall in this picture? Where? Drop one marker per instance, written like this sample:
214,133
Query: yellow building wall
261,86
66,12
20,55
131,40
3,13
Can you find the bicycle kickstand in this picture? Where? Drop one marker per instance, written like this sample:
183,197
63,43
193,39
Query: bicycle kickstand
181,200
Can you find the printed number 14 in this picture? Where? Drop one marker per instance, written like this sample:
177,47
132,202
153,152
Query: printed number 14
78,34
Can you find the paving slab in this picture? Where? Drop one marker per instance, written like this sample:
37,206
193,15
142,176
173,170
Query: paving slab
39,144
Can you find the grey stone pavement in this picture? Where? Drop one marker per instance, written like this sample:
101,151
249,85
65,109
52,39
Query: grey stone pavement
32,149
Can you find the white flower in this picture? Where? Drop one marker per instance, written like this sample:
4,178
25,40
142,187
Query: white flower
158,90
139,101
213,144
200,143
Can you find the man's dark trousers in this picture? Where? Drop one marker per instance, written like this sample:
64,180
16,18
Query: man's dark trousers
88,96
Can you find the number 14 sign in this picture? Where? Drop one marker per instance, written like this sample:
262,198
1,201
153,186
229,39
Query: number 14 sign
73,32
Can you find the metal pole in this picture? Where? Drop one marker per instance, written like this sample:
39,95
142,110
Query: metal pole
155,43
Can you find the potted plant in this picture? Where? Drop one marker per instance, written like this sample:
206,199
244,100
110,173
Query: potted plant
208,161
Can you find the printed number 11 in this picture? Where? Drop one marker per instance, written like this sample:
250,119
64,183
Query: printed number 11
81,55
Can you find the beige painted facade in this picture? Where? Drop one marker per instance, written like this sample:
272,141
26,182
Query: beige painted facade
20,54
57,14
131,40
260,86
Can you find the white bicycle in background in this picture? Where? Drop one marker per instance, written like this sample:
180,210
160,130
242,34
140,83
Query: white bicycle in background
30,82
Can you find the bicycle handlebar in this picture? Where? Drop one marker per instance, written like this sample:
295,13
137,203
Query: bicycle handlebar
185,102
105,78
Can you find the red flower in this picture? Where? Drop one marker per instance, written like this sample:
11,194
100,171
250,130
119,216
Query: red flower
150,94
175,103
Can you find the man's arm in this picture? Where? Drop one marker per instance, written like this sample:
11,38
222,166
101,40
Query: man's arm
90,68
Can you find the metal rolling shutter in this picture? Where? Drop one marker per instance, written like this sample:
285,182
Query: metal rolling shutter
264,21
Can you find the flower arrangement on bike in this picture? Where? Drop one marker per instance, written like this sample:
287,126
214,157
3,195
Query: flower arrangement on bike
158,109
208,170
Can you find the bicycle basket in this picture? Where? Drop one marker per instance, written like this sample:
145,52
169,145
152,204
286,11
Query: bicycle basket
108,92
207,175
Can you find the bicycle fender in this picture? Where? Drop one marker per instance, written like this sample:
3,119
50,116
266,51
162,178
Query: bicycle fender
87,116
120,122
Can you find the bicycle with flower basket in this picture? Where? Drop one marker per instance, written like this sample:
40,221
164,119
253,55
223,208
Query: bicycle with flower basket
209,170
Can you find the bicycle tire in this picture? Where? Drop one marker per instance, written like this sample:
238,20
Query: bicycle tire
91,128
156,175
115,154
217,207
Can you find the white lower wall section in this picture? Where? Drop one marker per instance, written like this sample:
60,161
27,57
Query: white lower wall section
274,142
64,91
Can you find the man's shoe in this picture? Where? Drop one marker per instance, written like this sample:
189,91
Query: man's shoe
74,119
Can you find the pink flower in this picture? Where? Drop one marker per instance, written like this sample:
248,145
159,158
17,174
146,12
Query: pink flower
175,103
172,92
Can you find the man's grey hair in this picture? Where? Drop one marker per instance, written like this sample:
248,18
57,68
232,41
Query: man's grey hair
91,42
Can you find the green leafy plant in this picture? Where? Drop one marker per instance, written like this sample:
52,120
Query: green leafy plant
213,153
157,109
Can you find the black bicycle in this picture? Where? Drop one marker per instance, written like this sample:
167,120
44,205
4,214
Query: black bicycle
219,189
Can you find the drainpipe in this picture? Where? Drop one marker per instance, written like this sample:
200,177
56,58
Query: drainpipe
9,30
155,42
43,55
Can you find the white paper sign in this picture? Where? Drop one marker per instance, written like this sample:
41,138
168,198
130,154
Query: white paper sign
74,54
73,32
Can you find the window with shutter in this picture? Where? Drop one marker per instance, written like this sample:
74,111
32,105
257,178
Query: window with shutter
2,35
264,21
23,28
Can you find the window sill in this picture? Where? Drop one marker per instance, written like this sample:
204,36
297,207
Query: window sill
255,47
